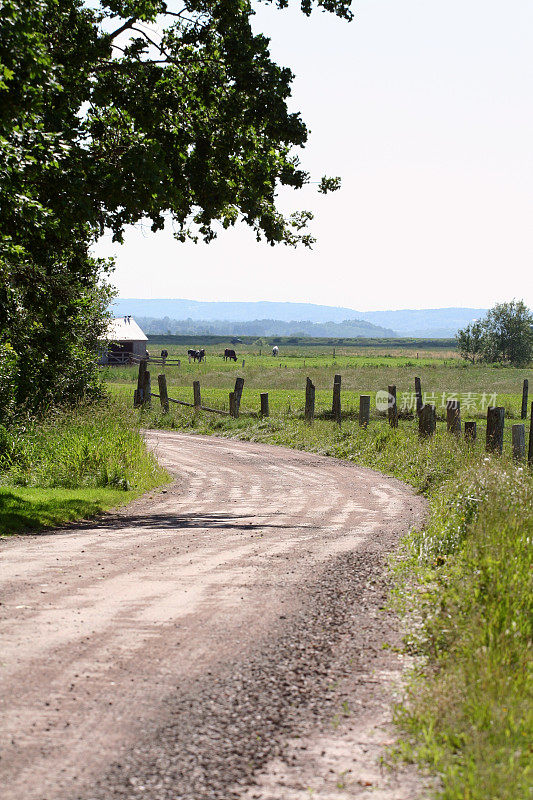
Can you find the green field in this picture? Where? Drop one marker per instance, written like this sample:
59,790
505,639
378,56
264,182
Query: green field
443,375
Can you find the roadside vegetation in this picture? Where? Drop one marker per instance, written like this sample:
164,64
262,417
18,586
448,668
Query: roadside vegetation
463,582
71,465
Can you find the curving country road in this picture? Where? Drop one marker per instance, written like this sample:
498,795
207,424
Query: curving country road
179,648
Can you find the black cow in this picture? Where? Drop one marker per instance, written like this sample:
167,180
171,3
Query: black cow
230,354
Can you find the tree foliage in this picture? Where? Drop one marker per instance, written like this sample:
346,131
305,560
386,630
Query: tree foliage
117,111
505,335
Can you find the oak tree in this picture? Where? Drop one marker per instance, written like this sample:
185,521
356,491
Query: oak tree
117,111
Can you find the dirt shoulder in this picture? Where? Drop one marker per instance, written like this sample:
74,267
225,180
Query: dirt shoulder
180,648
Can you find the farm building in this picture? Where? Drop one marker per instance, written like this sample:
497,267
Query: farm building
125,341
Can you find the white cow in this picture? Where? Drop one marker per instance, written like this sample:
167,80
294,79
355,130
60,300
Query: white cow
275,350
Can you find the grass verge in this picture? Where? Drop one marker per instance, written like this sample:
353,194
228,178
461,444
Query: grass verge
72,465
23,509
464,583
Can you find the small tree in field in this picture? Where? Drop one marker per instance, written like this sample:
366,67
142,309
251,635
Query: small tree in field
505,335
470,342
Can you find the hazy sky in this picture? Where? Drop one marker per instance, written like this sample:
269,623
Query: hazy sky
424,107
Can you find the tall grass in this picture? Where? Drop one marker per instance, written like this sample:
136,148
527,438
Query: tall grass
468,711
91,446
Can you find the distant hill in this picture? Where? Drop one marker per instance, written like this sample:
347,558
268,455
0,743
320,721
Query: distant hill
432,322
351,328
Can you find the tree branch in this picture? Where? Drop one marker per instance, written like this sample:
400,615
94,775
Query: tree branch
123,28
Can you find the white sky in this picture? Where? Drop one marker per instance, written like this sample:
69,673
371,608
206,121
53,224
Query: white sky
424,107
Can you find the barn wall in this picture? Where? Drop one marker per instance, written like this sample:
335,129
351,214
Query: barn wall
139,348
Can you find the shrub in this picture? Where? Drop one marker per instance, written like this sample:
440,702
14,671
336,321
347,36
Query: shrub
8,382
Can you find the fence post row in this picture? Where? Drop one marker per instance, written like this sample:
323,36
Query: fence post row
163,393
427,417
427,420
453,417
336,405
392,410
495,425
364,410
525,389
309,400
519,442
265,411
470,431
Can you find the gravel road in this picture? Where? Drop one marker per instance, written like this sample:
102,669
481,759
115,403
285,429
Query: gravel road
221,638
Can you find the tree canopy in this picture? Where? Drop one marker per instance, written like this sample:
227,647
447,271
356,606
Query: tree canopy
505,335
115,111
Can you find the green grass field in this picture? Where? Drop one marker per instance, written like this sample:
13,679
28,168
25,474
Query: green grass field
442,375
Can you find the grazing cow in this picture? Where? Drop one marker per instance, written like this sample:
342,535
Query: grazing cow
275,350
196,355
230,354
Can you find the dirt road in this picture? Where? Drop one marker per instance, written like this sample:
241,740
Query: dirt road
210,640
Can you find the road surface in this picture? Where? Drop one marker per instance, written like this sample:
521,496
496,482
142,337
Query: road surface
221,638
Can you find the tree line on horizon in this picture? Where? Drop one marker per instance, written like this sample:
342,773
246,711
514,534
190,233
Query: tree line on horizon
263,327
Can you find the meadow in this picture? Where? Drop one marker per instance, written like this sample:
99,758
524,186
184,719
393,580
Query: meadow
462,583
443,375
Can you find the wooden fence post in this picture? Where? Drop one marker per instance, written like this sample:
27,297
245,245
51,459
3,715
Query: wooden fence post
418,394
309,400
147,390
239,386
453,417
233,408
336,405
525,389
530,448
163,393
392,410
364,410
427,420
265,411
197,395
495,425
470,431
138,394
519,442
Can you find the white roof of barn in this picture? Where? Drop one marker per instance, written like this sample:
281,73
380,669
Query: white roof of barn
125,329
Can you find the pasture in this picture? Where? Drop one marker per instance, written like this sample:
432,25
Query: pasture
363,372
